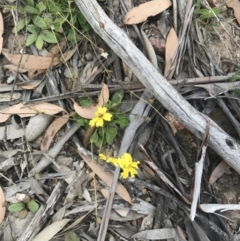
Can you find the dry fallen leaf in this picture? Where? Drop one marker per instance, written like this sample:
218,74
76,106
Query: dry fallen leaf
149,48
89,112
235,5
14,68
52,131
52,53
1,32
27,111
143,11
107,177
2,205
52,229
170,50
29,62
219,170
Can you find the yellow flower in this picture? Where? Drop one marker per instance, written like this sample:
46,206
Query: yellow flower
109,159
128,165
101,115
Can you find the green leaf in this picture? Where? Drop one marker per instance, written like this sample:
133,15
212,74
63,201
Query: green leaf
48,36
85,103
41,7
71,236
71,36
39,42
117,97
16,207
95,138
33,206
122,122
53,8
81,18
235,77
31,39
48,20
30,9
20,25
58,25
38,21
80,120
33,29
86,27
30,3
111,133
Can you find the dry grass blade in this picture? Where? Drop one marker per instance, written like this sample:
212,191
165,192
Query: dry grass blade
142,12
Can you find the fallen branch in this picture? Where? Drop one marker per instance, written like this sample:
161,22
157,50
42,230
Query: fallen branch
196,122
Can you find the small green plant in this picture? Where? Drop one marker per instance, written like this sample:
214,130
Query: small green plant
47,21
107,119
205,14
23,207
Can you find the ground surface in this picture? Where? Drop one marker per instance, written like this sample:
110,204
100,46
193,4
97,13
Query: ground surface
161,194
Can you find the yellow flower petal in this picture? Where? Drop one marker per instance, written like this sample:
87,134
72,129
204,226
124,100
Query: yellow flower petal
101,110
99,122
133,172
114,161
124,174
135,164
102,157
107,116
93,122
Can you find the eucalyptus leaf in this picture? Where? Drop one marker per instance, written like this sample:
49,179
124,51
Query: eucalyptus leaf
39,42
31,39
30,9
48,36
71,236
16,207
39,21
33,206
